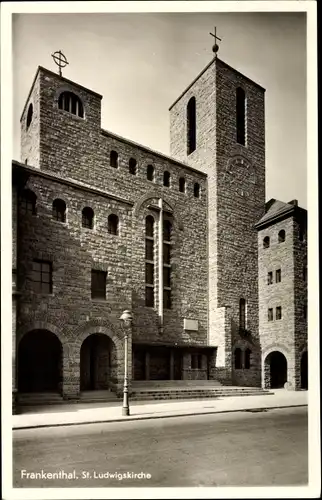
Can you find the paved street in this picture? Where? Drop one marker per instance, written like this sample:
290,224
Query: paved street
237,449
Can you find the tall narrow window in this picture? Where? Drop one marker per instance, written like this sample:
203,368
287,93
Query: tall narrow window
167,229
278,276
113,224
270,314
27,202
196,190
71,103
150,173
191,125
114,159
149,261
281,236
279,312
182,185
42,276
132,166
98,284
166,179
238,358
241,116
247,358
29,115
270,278
242,314
87,218
59,210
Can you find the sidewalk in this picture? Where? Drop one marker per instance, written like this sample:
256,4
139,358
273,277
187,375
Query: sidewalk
112,412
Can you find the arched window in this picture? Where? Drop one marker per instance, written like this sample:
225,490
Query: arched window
149,261
114,159
29,114
196,190
182,185
87,218
266,242
28,201
166,179
241,116
150,173
59,210
191,125
113,224
248,353
281,236
132,166
242,314
238,358
71,102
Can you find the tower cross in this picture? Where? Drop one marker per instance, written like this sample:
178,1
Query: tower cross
216,46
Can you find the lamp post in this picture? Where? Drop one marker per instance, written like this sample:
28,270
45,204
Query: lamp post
127,321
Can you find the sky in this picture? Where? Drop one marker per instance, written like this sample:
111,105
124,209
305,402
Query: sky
142,62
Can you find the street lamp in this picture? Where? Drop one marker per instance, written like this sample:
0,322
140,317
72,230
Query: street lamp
127,321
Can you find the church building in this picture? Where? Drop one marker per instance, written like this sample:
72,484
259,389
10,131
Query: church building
214,277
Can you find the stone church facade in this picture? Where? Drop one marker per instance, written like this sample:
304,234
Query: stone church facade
102,224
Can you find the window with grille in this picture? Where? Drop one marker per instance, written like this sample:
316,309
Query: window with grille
27,202
98,284
59,210
87,218
42,276
70,102
149,261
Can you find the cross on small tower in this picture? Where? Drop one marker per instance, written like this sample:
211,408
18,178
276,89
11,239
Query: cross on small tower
215,48
60,59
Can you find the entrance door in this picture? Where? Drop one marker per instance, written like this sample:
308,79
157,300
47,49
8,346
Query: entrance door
159,363
39,362
177,368
95,363
304,371
278,369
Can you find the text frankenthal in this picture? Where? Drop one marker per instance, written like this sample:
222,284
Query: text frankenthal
83,475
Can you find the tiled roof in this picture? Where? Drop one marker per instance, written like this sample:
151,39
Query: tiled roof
276,209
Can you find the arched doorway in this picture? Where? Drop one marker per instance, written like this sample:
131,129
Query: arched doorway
40,362
276,369
304,371
97,364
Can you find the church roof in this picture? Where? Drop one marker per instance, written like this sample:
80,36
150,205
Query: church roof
275,210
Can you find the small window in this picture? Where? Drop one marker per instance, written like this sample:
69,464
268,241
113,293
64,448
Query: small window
270,278
196,361
191,125
59,210
98,284
114,159
248,353
166,179
70,102
132,166
182,185
241,116
242,314
42,276
150,173
113,224
270,314
87,218
281,236
266,242
196,190
279,312
27,202
278,276
29,114
238,358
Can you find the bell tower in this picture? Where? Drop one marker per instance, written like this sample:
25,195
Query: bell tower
227,125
